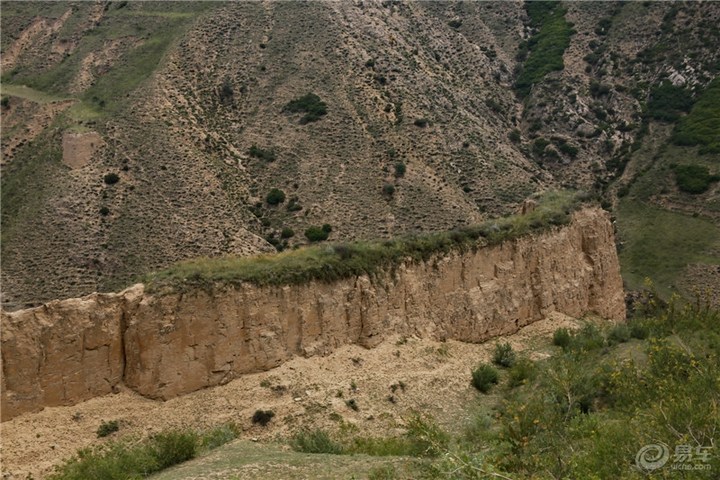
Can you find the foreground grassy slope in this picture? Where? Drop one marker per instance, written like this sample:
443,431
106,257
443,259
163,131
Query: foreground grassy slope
257,461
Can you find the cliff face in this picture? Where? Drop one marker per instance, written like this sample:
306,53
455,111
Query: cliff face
68,351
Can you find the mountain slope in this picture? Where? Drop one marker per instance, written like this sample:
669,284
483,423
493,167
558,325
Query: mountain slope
424,128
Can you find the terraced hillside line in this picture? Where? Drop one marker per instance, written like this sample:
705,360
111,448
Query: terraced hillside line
164,346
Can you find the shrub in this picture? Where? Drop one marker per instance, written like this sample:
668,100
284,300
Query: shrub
598,89
400,169
484,377
562,338
521,372
266,155
588,338
327,228
219,436
421,122
287,232
514,135
116,460
639,330
352,404
538,146
275,196
456,23
426,437
293,205
310,104
315,441
619,334
171,448
316,234
262,417
106,428
111,178
693,179
504,355
104,211
388,189
667,102
702,125
226,92
568,149
5,102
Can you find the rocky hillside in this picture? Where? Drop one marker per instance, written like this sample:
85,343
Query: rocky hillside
137,134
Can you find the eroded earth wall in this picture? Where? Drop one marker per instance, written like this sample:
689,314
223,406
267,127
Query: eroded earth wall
68,351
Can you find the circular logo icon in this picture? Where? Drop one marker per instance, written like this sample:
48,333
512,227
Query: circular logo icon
652,457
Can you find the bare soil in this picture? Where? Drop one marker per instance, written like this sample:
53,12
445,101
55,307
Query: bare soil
302,393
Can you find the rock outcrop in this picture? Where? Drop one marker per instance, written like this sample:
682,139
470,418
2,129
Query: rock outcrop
68,351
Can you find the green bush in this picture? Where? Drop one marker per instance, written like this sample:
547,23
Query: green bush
171,448
400,169
667,102
562,338
125,461
275,196
316,234
538,146
266,155
310,104
315,441
425,436
421,122
619,334
639,330
598,89
218,436
484,377
111,178
504,355
106,428
522,372
694,179
262,417
287,232
568,149
588,338
702,125
388,189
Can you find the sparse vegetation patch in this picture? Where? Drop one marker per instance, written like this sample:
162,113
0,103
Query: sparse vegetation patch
694,178
543,52
310,104
358,258
702,125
